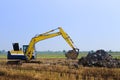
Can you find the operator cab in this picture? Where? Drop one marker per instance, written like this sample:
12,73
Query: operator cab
25,47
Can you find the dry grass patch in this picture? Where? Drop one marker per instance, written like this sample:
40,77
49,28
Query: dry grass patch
45,71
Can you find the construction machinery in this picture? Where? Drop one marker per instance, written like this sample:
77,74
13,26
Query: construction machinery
27,53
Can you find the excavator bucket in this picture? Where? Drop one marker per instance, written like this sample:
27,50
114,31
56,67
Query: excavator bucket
72,54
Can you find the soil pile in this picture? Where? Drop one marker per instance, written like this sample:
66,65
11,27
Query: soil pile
100,58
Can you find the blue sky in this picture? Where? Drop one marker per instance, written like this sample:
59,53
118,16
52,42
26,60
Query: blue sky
92,24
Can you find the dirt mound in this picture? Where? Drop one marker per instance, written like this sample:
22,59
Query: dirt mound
100,58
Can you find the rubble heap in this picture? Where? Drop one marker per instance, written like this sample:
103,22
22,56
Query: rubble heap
100,58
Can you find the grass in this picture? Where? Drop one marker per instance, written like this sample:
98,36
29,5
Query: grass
3,55
54,66
116,54
50,55
30,71
56,55
61,55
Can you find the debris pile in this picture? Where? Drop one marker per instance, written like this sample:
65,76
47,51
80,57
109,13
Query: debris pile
100,58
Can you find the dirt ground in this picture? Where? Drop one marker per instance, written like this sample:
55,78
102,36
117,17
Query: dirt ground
55,69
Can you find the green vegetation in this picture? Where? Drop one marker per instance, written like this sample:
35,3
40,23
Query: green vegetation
56,54
3,55
50,54
61,54
115,54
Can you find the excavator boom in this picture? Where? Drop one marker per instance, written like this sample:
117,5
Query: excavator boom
51,34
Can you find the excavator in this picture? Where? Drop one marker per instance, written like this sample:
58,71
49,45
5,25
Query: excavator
28,52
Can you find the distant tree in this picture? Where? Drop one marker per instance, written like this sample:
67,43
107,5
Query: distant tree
92,51
110,51
3,51
64,51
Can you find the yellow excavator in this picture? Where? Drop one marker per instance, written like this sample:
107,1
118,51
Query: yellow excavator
28,51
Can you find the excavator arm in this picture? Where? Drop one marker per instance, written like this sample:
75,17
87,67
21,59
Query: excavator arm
71,54
49,34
